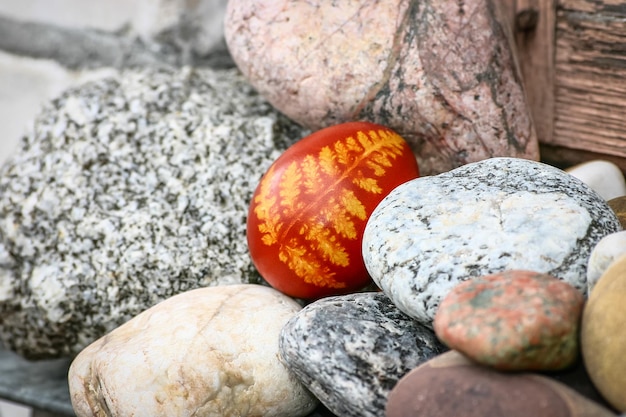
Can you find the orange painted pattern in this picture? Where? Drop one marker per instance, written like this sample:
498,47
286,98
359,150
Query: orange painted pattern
316,196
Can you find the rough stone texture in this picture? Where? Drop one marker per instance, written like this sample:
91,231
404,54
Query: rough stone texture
603,334
450,385
205,352
514,320
431,233
439,72
351,350
608,250
126,192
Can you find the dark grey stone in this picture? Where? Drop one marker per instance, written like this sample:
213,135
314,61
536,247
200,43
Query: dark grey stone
351,350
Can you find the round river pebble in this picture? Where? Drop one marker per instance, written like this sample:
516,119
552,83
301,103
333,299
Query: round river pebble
433,232
607,251
129,190
514,320
205,352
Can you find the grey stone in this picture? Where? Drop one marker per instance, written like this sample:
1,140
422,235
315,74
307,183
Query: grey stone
350,350
431,233
129,190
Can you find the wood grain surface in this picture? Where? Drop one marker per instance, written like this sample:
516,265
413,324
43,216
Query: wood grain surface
572,56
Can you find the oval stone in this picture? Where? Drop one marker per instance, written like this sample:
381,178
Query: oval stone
451,385
446,83
210,351
433,232
351,350
129,190
604,177
514,320
608,250
603,334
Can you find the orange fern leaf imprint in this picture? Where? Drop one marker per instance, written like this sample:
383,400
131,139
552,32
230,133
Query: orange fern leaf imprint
309,210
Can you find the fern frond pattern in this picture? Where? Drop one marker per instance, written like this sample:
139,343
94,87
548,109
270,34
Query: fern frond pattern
312,207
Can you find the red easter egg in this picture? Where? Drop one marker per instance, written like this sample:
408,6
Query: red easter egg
307,215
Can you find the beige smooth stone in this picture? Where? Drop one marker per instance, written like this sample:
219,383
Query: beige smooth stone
603,335
206,352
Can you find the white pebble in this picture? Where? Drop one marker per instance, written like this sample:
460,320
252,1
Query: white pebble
603,177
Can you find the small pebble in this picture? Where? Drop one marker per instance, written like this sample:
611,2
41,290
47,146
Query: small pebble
604,177
603,334
351,350
205,352
433,232
451,385
514,320
607,251
618,205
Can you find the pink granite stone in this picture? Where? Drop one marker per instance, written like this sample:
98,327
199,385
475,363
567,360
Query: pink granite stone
513,320
439,72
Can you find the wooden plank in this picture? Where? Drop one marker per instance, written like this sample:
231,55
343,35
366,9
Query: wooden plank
590,81
535,42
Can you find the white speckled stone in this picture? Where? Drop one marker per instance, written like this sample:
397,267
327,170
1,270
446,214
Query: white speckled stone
431,233
206,352
351,350
129,190
602,176
607,251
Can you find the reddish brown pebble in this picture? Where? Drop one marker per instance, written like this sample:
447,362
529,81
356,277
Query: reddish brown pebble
514,320
450,385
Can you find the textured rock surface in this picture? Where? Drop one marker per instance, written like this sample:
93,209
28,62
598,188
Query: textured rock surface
439,72
607,251
351,350
209,351
514,320
129,191
603,334
450,385
431,233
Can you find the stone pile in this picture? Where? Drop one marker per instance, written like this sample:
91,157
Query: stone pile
122,243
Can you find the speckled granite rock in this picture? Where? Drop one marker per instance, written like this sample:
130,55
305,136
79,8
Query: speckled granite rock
513,321
502,213
129,191
205,352
351,350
